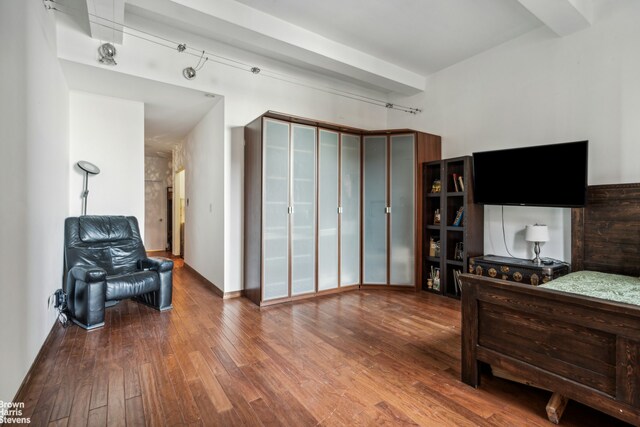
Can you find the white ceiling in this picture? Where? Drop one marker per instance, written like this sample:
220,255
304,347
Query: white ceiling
170,112
423,36
389,45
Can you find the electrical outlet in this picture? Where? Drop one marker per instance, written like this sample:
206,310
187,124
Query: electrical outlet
60,298
59,302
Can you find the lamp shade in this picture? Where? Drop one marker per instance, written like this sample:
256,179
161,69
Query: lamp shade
537,233
88,167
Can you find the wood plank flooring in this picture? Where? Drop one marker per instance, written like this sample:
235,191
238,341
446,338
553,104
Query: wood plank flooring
355,359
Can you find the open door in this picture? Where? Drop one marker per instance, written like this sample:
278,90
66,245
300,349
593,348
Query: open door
178,214
170,219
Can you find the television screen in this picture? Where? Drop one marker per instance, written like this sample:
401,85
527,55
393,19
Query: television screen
544,175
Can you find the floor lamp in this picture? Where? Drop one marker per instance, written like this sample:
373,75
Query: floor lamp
88,169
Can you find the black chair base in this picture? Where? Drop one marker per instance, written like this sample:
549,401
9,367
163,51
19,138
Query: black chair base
87,328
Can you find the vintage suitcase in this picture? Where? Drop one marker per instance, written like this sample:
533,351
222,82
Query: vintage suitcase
516,269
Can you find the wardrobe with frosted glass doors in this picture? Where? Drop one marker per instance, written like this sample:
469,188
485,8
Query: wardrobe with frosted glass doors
280,210
329,208
389,201
338,210
392,206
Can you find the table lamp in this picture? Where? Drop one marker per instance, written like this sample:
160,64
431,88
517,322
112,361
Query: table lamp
537,233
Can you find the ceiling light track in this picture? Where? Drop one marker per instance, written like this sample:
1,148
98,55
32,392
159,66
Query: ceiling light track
204,56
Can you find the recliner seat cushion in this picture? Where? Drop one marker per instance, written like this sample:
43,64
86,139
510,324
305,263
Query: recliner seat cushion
131,284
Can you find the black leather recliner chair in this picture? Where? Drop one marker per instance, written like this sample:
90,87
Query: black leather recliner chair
105,261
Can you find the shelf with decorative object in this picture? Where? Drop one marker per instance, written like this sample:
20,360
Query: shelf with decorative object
460,230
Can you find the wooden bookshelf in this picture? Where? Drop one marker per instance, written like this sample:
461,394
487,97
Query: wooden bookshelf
467,232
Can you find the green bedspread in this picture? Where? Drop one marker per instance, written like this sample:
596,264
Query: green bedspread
613,287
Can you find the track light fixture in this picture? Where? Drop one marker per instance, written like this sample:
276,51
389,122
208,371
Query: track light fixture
107,53
189,73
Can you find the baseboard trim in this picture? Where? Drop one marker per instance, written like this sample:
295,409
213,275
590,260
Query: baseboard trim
88,328
311,295
20,397
233,294
400,288
216,290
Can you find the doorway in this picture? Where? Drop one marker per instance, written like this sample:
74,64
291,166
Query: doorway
154,216
178,213
169,207
157,171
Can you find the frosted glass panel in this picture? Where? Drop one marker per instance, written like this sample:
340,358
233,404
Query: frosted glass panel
375,219
276,202
350,218
402,210
303,221
328,211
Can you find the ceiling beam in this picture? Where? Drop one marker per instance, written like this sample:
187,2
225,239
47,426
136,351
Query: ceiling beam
563,17
104,17
253,30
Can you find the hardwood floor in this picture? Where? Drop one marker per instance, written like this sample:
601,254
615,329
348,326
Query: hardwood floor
358,358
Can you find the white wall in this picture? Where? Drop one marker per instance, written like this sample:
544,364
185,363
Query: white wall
108,132
204,210
158,175
542,89
34,174
246,96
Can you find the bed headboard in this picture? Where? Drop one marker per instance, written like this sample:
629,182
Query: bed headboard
605,234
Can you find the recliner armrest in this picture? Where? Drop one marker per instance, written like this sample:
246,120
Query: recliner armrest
158,264
88,274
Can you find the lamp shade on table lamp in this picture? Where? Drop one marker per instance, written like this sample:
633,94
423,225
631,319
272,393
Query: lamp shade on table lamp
537,233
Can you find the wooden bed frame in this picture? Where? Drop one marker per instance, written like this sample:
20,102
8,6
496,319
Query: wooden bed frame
582,348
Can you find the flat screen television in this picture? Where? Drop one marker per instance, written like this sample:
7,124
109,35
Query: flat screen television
543,175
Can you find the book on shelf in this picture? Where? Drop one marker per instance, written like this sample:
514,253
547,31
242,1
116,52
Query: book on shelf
458,221
456,281
455,182
461,182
